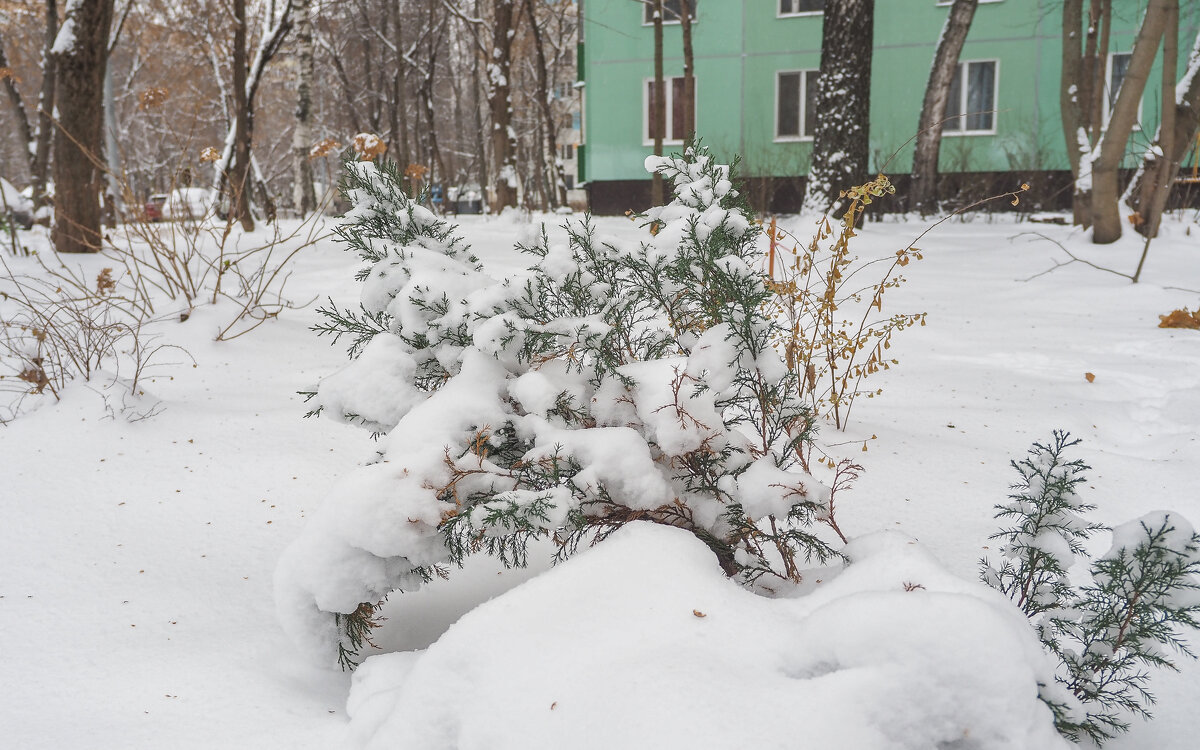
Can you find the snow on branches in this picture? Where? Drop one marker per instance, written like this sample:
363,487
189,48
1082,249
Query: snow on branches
610,382
1143,596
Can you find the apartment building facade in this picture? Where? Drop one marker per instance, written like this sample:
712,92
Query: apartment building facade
756,67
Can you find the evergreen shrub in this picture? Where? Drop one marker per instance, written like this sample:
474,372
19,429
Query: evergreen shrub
610,382
1143,594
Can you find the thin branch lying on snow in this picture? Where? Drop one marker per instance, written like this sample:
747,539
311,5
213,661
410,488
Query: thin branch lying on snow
1073,259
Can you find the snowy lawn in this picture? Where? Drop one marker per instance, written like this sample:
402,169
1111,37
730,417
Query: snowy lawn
136,555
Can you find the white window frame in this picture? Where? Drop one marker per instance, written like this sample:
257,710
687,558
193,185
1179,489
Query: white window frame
804,74
966,95
669,97
1106,105
795,14
667,22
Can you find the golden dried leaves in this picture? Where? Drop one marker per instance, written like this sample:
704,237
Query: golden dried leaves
152,97
324,147
209,154
1089,377
105,284
367,146
1180,319
416,171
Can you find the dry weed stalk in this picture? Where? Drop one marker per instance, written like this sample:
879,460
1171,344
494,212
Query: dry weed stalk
835,335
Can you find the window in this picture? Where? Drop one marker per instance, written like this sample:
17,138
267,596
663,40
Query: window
800,7
671,11
795,104
566,151
674,110
1118,68
972,100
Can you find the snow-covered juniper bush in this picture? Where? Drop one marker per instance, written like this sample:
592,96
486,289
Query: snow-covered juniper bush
1144,593
610,382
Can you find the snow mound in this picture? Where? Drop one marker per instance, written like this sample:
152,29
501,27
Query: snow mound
641,642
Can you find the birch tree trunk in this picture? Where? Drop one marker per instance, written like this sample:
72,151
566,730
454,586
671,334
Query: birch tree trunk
841,144
304,198
933,109
81,52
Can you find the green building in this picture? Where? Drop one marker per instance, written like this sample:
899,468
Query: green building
756,62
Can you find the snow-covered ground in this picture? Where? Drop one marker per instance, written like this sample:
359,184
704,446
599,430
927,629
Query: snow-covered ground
136,555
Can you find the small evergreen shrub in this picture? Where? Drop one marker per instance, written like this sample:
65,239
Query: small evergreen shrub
1144,593
611,382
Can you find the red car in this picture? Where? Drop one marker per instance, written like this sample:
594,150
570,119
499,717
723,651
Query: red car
152,210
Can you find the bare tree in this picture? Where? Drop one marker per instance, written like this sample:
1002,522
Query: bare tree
435,34
247,76
1105,158
689,69
1082,91
20,116
558,186
35,134
658,104
841,143
81,52
1148,191
45,107
923,194
504,145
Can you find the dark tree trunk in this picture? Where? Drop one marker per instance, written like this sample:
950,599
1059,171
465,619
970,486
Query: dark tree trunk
481,140
1082,94
433,38
557,192
79,162
1106,213
689,70
304,198
1160,186
1147,183
399,102
841,145
658,109
1096,63
504,146
1074,105
239,173
20,116
45,127
933,109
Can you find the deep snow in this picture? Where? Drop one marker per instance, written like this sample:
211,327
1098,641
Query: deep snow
137,556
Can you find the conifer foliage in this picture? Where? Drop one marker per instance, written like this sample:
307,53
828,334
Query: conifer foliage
611,382
1143,595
